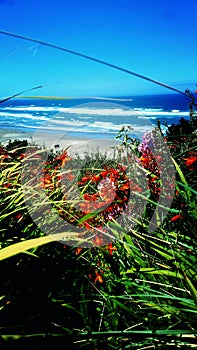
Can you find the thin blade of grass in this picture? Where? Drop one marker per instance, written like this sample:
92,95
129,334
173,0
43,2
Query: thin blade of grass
23,246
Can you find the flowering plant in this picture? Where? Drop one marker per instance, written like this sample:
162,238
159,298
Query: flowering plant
149,276
102,193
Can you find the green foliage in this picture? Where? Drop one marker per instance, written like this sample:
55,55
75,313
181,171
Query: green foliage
138,291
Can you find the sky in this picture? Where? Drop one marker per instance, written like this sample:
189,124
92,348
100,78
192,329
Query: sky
155,38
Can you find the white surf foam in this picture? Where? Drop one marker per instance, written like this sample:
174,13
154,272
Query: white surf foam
88,111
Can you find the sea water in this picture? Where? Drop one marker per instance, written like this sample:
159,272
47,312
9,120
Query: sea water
93,117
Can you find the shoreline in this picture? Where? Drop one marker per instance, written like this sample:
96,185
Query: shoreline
51,139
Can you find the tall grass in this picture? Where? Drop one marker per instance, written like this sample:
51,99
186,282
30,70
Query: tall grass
135,290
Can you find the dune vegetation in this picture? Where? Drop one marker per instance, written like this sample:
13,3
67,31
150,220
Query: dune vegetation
100,253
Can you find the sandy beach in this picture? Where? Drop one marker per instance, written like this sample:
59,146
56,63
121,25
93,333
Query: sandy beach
51,139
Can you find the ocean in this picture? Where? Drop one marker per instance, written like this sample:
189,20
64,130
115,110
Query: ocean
93,117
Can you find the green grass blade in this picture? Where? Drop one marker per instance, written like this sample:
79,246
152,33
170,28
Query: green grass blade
23,246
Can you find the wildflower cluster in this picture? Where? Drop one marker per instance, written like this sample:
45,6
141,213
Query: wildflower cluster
109,189
149,162
181,139
149,276
102,193
156,159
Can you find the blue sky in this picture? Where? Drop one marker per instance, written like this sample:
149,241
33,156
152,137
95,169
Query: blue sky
155,38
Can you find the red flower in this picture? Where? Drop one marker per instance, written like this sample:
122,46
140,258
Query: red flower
125,187
105,173
85,179
110,248
98,239
96,178
22,156
65,160
4,156
91,197
176,217
98,278
153,179
78,250
144,160
190,160
18,216
87,225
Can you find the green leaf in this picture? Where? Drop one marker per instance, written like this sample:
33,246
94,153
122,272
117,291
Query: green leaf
182,177
154,271
191,288
23,246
